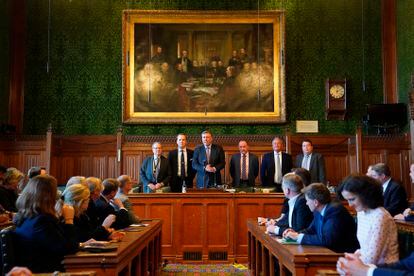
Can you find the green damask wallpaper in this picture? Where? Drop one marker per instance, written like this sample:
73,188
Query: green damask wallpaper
405,46
4,59
82,92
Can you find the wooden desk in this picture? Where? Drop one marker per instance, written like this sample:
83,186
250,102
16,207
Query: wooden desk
207,227
265,253
139,253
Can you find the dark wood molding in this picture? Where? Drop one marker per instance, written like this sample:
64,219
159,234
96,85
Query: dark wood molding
17,63
389,51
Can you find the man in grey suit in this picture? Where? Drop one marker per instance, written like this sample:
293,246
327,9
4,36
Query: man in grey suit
155,172
312,161
244,167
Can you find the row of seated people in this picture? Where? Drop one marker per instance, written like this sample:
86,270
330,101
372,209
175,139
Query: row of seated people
49,224
310,217
208,159
55,225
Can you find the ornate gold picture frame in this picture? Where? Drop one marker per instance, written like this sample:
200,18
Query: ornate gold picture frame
203,67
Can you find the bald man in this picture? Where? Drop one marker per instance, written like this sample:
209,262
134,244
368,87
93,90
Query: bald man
244,167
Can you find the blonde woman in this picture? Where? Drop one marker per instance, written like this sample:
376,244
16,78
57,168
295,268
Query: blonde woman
9,189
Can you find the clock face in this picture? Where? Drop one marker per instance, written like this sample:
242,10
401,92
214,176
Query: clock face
337,91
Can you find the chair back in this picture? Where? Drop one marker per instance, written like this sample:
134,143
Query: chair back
7,249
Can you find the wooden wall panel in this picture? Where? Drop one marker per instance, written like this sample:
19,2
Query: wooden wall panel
371,157
132,162
13,159
100,166
336,167
112,167
192,222
218,225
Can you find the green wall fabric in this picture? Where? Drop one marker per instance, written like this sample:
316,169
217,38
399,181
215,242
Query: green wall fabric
82,92
405,46
4,59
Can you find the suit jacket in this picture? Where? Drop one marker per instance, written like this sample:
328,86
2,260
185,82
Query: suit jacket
267,170
189,64
104,209
176,181
301,216
402,267
235,170
395,198
336,229
42,242
146,173
316,167
217,160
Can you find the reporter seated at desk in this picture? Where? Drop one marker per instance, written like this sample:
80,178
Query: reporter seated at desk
306,178
41,241
332,225
77,196
106,202
376,229
299,216
10,188
89,222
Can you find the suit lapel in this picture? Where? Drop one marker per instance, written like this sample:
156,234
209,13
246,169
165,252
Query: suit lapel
311,161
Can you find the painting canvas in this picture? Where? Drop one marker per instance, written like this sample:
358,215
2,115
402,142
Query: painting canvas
203,67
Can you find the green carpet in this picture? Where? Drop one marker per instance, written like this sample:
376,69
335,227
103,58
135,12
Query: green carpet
205,270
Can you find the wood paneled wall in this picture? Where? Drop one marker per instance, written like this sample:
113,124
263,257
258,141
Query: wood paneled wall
110,156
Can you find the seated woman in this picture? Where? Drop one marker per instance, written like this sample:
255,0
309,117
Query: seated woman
376,230
41,240
9,189
77,196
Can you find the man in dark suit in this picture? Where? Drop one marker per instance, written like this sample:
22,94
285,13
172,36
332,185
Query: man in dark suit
312,161
105,205
180,163
187,64
299,216
332,225
244,167
155,171
208,161
395,197
351,264
275,165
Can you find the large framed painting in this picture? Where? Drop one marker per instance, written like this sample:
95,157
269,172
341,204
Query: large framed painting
203,67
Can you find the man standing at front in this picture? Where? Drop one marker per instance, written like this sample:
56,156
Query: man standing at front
312,161
275,165
180,160
155,172
208,161
244,167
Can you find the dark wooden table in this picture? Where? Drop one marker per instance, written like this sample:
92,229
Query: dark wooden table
139,253
266,254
